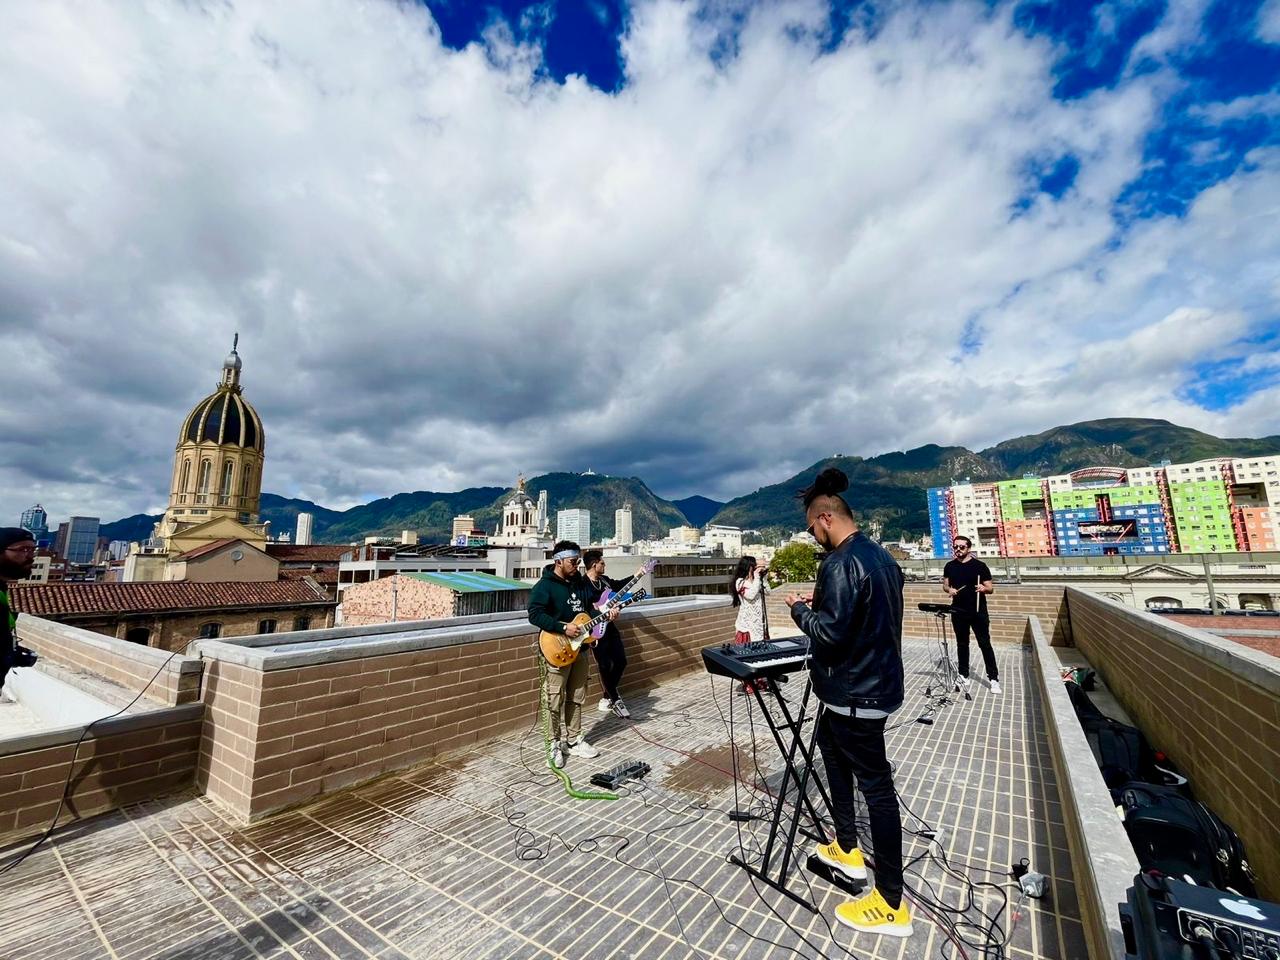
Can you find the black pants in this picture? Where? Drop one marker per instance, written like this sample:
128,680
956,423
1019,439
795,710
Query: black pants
961,621
854,747
611,659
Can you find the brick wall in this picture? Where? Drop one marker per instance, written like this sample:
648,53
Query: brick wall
127,666
372,602
1212,706
121,761
277,737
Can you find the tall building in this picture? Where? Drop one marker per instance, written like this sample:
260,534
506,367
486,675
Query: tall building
60,540
544,517
622,533
217,469
35,521
81,539
1209,506
574,525
463,524
302,535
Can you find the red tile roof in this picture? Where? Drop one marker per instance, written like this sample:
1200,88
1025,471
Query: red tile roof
309,553
207,548
322,575
60,599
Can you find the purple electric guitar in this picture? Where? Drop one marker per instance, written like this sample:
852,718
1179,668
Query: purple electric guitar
611,598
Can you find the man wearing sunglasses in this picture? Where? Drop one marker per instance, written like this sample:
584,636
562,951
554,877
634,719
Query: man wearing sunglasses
556,599
967,581
17,557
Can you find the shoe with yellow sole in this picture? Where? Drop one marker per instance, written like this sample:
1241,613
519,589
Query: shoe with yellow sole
872,914
850,864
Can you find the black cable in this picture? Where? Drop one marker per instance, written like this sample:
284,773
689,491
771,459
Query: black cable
71,769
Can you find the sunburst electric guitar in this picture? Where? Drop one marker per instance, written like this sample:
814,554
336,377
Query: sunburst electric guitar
561,651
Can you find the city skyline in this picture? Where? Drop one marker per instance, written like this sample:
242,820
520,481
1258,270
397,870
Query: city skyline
819,231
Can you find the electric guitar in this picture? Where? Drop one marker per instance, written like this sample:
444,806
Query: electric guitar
607,597
561,651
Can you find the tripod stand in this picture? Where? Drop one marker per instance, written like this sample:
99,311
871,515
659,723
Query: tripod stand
943,676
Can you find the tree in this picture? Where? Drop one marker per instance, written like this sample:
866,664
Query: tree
797,562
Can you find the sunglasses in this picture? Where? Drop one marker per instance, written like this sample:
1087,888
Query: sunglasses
815,523
24,551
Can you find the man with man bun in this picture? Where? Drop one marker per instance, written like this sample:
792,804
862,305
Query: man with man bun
854,625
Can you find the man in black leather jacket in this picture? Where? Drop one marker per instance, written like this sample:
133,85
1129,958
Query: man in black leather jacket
854,625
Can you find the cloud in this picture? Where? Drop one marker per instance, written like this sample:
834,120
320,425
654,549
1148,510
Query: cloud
447,268
1269,22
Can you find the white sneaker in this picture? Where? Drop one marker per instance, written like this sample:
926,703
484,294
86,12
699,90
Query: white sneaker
963,684
995,687
584,750
621,710
605,705
557,756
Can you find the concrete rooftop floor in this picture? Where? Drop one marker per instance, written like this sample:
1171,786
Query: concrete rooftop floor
485,856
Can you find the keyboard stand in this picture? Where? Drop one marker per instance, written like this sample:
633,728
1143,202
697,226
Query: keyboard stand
794,728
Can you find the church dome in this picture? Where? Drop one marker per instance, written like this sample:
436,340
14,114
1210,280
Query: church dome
224,418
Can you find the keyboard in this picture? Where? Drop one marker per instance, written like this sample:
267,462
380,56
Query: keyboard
756,661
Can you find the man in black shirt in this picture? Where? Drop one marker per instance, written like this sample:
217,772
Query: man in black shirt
17,557
967,580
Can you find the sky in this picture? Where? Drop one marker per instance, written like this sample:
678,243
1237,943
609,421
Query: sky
705,244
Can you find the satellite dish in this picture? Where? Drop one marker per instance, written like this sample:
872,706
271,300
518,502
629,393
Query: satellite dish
237,555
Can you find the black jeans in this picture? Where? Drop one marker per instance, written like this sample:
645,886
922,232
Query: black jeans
854,747
961,622
611,659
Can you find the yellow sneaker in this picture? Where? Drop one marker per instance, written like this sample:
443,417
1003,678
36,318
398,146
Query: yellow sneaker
872,914
850,864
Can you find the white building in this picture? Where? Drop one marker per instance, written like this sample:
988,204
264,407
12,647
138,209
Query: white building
544,514
574,525
622,534
303,532
519,522
689,535
727,539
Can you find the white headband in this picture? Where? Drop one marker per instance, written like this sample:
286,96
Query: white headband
566,555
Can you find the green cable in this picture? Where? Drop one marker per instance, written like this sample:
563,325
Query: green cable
545,710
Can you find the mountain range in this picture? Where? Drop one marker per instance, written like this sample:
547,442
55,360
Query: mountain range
889,488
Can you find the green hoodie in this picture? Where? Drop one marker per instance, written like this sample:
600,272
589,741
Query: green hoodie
554,602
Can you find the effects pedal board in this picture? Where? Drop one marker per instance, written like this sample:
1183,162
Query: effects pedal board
614,777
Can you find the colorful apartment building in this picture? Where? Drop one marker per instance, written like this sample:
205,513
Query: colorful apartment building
1210,506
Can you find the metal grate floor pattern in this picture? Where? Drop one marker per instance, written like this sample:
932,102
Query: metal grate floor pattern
485,856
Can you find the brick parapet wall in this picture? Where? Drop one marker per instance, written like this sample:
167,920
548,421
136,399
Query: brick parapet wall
274,738
1212,706
127,667
1009,608
120,762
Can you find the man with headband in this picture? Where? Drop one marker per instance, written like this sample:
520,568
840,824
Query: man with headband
17,557
562,594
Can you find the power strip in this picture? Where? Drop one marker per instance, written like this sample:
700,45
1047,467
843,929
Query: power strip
616,776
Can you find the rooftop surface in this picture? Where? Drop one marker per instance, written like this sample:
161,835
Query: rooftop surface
484,855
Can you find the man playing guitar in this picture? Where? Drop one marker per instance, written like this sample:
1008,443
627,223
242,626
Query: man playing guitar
560,596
